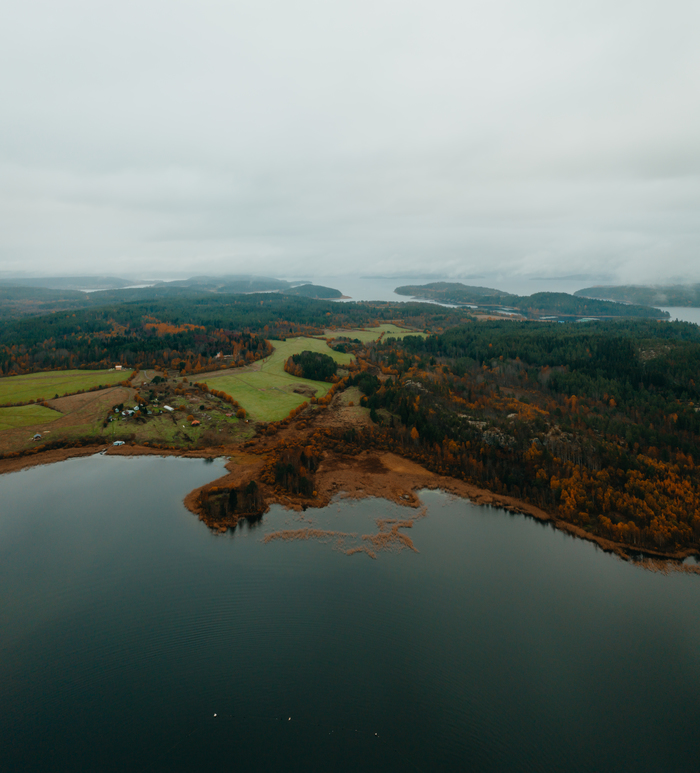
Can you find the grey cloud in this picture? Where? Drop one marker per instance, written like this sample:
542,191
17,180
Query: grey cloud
526,136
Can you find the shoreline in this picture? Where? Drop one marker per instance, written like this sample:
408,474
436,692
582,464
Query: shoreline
382,475
52,456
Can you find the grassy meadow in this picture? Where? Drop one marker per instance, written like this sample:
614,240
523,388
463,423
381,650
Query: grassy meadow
162,429
45,386
267,393
26,416
373,333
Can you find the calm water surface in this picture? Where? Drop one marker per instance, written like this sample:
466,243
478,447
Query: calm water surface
360,288
502,645
683,313
368,288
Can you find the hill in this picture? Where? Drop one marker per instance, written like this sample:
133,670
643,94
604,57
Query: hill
17,301
36,296
314,291
71,282
454,292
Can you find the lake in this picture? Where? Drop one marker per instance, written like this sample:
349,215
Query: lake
362,288
683,313
133,638
381,288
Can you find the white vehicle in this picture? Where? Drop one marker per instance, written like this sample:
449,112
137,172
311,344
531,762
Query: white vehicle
118,443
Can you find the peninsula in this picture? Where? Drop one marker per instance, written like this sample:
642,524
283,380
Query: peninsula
593,426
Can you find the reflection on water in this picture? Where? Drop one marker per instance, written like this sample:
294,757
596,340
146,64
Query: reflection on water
134,638
385,534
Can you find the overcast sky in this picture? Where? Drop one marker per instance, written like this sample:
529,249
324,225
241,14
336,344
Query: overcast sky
521,137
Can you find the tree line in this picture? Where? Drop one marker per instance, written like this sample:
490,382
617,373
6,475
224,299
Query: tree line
598,424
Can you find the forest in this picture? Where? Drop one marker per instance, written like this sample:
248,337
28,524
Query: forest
312,365
455,292
36,296
187,333
16,302
314,291
597,423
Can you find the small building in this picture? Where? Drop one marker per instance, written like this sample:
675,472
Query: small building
117,367
37,437
196,423
168,408
118,443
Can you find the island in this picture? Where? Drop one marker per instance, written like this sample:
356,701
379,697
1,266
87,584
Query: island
314,291
486,300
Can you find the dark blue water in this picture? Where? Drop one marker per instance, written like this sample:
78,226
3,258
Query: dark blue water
502,645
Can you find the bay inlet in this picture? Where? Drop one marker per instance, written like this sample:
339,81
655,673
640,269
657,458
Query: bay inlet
134,638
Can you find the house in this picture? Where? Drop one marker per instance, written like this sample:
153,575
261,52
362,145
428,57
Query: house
196,423
37,437
117,367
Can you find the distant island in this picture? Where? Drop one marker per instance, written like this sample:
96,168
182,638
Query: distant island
649,295
536,306
314,291
455,292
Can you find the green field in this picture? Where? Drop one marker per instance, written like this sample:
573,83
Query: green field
26,416
267,394
373,333
162,429
45,386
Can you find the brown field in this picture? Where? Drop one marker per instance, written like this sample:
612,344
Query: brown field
80,415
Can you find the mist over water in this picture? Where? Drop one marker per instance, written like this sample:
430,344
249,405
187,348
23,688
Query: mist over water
381,288
368,288
126,626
